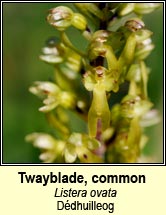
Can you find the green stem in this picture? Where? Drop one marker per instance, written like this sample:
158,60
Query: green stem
68,43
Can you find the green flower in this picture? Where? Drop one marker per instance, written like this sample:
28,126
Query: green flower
125,147
99,80
134,106
144,8
80,146
53,52
52,96
143,49
62,17
51,149
138,8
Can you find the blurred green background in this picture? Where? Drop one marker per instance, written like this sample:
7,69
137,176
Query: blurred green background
25,31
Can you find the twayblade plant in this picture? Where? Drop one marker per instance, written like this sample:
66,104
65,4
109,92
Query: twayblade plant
84,81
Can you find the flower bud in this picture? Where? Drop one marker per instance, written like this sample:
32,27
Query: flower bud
96,49
97,46
144,8
100,36
90,9
60,17
79,21
134,24
125,8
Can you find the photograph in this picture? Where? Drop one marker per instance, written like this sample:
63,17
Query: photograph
82,83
